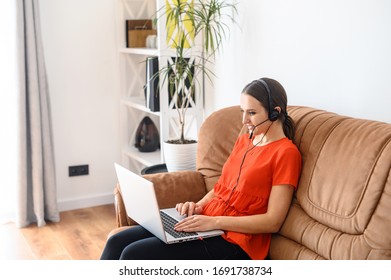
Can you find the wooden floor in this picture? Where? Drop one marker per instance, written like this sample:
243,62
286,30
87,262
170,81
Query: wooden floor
80,235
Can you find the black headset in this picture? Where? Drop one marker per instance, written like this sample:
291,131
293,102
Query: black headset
273,113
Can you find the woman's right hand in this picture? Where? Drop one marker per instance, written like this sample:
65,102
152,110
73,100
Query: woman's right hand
188,208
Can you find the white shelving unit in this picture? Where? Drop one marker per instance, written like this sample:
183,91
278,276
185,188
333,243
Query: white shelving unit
133,78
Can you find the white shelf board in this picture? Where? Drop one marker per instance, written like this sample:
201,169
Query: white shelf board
140,51
137,103
148,159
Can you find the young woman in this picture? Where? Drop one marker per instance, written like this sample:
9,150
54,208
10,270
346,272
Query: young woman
251,198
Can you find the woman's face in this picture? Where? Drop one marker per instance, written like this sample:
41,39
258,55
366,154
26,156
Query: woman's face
253,113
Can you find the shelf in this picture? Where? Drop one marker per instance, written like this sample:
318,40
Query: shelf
140,51
147,159
132,78
137,103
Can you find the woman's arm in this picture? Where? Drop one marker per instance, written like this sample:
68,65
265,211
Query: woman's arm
279,203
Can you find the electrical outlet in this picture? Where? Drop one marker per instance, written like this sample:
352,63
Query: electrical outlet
78,170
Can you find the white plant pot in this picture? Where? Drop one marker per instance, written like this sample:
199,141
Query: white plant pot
179,157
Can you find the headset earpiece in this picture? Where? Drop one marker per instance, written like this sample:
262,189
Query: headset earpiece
273,115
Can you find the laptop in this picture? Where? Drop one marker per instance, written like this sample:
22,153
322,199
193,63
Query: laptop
141,205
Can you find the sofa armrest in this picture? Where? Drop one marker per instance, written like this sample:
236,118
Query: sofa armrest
170,188
121,217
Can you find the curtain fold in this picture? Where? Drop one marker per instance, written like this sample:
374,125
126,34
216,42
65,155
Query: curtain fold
36,190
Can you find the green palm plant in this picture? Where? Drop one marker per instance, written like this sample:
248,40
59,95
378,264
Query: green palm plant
186,21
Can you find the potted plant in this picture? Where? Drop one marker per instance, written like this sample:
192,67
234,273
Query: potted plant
195,30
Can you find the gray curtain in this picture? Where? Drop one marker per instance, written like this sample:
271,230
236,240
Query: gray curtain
36,193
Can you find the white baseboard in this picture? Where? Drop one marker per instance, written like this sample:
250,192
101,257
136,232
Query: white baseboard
84,202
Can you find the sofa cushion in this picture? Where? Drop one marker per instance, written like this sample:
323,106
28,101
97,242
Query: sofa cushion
342,205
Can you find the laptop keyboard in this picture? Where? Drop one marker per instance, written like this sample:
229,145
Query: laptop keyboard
168,224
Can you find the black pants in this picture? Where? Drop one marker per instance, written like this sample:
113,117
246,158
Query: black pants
136,243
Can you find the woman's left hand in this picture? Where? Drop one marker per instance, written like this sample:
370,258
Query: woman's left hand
196,223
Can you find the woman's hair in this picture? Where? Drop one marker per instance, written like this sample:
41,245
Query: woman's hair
279,98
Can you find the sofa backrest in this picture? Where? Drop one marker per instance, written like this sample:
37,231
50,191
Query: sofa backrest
343,203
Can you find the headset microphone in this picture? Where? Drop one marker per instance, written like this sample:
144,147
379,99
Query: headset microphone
252,131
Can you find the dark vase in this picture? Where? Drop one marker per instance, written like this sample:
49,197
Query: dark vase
147,136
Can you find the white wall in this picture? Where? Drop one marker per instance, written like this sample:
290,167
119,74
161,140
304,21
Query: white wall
328,54
332,55
80,51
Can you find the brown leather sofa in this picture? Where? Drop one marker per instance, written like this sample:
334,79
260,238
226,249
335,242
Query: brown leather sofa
342,208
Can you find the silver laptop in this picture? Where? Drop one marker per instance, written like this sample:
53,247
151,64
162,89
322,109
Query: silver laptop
141,205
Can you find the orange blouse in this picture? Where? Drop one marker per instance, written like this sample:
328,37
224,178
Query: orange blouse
245,184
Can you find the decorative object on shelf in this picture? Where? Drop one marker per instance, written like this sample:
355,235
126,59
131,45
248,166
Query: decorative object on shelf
151,41
151,88
147,136
186,21
137,32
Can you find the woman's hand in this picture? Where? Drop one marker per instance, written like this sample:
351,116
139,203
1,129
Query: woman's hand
188,208
196,223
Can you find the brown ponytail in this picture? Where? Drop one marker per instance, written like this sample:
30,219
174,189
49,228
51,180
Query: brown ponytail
288,126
